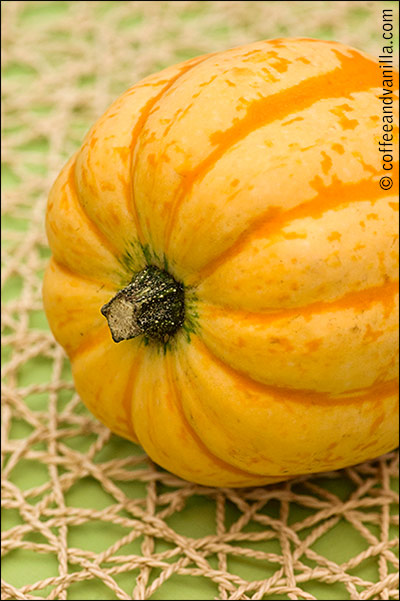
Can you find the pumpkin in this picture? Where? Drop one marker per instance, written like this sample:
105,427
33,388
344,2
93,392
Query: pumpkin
224,265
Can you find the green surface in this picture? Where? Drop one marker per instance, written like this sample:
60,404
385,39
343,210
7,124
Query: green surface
197,518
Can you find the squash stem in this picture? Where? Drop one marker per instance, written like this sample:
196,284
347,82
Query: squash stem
153,304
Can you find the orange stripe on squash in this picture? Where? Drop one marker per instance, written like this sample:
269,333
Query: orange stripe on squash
355,73
332,197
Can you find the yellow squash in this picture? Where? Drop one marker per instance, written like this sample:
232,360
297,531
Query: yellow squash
224,269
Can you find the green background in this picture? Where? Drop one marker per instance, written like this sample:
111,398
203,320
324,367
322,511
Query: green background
64,62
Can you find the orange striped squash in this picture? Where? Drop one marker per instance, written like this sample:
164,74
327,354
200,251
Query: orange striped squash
224,265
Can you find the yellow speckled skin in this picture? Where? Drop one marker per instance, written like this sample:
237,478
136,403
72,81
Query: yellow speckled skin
253,174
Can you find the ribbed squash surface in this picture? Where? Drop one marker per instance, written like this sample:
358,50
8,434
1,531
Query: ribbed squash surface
252,175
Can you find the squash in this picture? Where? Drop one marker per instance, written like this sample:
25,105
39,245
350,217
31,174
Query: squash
224,265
